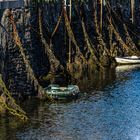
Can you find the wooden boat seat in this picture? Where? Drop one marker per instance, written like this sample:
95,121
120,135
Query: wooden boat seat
63,88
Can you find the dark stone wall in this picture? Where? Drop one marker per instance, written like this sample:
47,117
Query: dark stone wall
11,4
125,8
12,66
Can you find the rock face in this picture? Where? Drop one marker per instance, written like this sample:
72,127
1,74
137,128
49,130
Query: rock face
12,65
125,8
27,22
13,68
11,4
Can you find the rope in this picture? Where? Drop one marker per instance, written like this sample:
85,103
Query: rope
57,25
88,41
129,40
3,28
54,62
119,18
41,91
9,103
89,44
99,37
71,35
118,37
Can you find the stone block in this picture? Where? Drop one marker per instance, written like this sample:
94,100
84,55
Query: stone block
7,4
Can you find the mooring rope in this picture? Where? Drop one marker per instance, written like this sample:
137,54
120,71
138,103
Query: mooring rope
2,26
41,92
57,25
9,103
119,18
118,38
71,36
117,35
54,62
129,40
99,35
88,41
89,44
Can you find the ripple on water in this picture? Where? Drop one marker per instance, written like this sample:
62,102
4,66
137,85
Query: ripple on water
113,113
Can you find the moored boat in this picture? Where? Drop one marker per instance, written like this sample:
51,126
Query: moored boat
62,93
128,60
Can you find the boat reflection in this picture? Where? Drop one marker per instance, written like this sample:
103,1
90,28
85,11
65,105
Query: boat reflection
122,68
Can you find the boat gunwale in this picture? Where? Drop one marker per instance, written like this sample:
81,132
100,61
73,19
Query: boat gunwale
73,90
127,60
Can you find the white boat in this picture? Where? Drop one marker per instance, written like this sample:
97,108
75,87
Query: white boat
128,60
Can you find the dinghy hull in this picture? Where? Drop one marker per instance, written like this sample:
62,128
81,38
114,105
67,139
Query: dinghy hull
62,93
128,60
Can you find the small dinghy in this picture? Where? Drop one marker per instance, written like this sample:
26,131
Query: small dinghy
62,93
128,60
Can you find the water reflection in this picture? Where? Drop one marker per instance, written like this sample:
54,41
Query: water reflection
95,80
124,68
109,111
8,127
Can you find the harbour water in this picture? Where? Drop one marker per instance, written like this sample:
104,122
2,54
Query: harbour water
108,110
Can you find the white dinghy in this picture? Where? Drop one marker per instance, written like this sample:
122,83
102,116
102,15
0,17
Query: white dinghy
128,60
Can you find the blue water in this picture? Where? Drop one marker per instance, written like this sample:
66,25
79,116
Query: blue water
108,111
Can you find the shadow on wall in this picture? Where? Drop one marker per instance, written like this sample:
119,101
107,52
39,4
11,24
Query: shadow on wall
4,4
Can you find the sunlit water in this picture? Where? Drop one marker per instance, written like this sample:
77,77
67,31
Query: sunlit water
110,110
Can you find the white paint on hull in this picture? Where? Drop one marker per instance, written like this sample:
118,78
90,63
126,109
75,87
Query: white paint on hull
128,60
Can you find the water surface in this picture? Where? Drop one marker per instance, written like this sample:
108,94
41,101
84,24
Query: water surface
110,110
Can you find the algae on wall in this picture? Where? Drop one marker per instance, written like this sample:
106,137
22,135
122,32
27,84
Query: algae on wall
52,27
7,4
8,103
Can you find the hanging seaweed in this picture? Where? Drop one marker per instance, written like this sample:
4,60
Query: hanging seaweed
129,41
112,49
79,56
41,92
91,48
63,40
54,62
128,46
8,103
102,45
104,54
126,49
